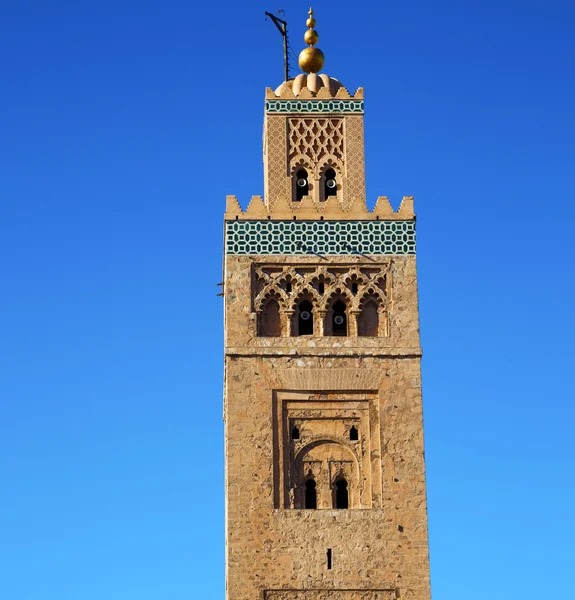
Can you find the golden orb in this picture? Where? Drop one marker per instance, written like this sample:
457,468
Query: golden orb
310,23
311,60
310,37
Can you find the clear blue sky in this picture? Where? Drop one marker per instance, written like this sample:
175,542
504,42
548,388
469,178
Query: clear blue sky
123,126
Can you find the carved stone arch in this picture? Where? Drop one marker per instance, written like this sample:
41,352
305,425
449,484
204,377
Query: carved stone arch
322,276
291,276
372,292
337,289
329,161
269,315
270,289
355,273
338,314
321,176
305,316
330,459
303,452
372,316
300,293
299,161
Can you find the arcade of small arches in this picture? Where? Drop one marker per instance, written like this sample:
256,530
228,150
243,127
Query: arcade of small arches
322,302
322,184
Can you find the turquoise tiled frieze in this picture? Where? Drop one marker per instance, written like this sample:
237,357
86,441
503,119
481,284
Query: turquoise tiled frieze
320,237
314,106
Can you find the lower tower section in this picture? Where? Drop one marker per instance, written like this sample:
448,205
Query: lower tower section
324,440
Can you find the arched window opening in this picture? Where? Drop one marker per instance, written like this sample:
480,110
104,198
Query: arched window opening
368,322
329,184
341,495
339,319
295,433
354,288
305,318
288,287
310,494
353,434
321,287
301,184
269,320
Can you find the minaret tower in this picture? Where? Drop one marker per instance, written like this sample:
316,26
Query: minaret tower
325,474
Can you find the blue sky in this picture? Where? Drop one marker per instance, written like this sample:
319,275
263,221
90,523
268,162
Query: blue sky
124,124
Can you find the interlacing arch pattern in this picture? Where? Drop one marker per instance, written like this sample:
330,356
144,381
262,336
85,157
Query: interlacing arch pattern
315,137
322,286
372,293
337,292
271,293
307,292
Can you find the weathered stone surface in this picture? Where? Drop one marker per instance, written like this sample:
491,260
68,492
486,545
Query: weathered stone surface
330,419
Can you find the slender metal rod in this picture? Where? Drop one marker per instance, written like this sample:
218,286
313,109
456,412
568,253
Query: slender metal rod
282,28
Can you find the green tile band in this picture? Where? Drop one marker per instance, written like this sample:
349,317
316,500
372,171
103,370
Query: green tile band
320,237
314,106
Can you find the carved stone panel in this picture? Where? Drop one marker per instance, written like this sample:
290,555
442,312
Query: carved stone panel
331,595
323,449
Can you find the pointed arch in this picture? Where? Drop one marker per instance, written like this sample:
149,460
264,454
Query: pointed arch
271,289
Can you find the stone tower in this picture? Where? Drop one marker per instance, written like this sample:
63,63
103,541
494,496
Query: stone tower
325,474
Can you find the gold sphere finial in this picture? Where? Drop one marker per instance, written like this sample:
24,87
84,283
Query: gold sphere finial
310,58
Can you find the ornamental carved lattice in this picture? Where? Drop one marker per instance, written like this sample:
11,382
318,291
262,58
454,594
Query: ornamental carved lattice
316,139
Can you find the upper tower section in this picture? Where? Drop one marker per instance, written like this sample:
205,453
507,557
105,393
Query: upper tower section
313,137
313,149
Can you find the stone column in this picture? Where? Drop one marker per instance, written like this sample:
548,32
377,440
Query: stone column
320,318
286,322
382,323
353,327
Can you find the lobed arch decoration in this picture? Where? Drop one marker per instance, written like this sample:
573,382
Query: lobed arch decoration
269,316
329,172
301,170
373,319
358,291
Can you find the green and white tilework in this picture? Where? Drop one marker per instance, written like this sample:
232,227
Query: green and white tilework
314,106
320,237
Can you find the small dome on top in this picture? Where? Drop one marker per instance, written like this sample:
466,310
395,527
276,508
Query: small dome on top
313,82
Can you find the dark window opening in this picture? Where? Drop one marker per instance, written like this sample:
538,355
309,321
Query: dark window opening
295,433
330,184
301,185
339,320
321,287
329,558
288,287
354,288
353,434
341,496
305,318
310,494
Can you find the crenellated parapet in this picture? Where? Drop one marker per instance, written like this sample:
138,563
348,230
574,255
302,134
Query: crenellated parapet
310,209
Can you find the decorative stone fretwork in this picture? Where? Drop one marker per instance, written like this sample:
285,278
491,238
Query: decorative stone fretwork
277,182
355,165
345,238
391,594
314,106
315,139
364,291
